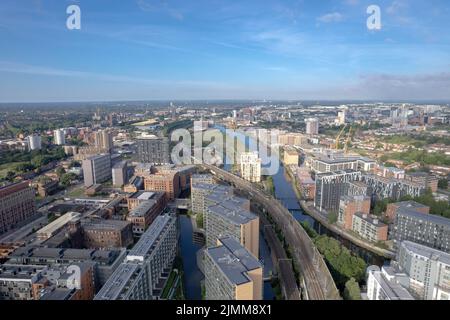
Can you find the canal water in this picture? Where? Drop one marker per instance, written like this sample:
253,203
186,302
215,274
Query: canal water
188,250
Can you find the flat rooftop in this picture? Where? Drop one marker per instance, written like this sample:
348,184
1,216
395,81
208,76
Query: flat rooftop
370,219
150,238
118,283
104,224
212,187
233,260
427,252
232,212
410,205
60,222
393,290
143,208
220,198
143,195
426,217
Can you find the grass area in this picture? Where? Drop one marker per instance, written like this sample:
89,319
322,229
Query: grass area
169,284
418,141
76,193
422,157
270,186
4,168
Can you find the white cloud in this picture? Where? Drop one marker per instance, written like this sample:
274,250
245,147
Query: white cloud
331,17
396,7
161,6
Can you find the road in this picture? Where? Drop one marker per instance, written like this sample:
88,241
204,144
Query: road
319,282
20,234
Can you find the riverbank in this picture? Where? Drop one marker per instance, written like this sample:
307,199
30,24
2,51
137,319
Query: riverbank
336,229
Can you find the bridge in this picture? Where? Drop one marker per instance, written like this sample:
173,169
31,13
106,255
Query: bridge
184,204
318,281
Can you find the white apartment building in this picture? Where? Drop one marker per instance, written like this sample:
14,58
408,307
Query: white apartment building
251,167
34,142
428,270
59,137
312,126
385,284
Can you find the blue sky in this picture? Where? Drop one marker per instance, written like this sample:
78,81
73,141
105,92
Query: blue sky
224,49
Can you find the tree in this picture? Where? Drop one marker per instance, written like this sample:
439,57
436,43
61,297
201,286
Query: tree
343,264
332,217
199,219
24,167
60,171
443,184
67,178
352,291
10,176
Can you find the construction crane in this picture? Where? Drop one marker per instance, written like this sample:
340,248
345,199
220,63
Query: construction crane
349,138
339,137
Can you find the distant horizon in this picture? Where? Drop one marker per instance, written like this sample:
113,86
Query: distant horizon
282,50
207,101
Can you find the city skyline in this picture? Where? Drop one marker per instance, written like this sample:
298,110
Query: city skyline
172,50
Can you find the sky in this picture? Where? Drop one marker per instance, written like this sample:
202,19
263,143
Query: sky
224,49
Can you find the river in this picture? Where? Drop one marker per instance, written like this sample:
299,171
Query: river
285,193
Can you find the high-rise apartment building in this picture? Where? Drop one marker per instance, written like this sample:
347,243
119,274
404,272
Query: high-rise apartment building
103,140
390,188
331,186
59,137
17,204
429,230
152,149
428,270
34,142
425,179
200,191
201,178
228,219
312,126
323,164
120,174
232,272
386,284
251,166
141,275
342,117
97,169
